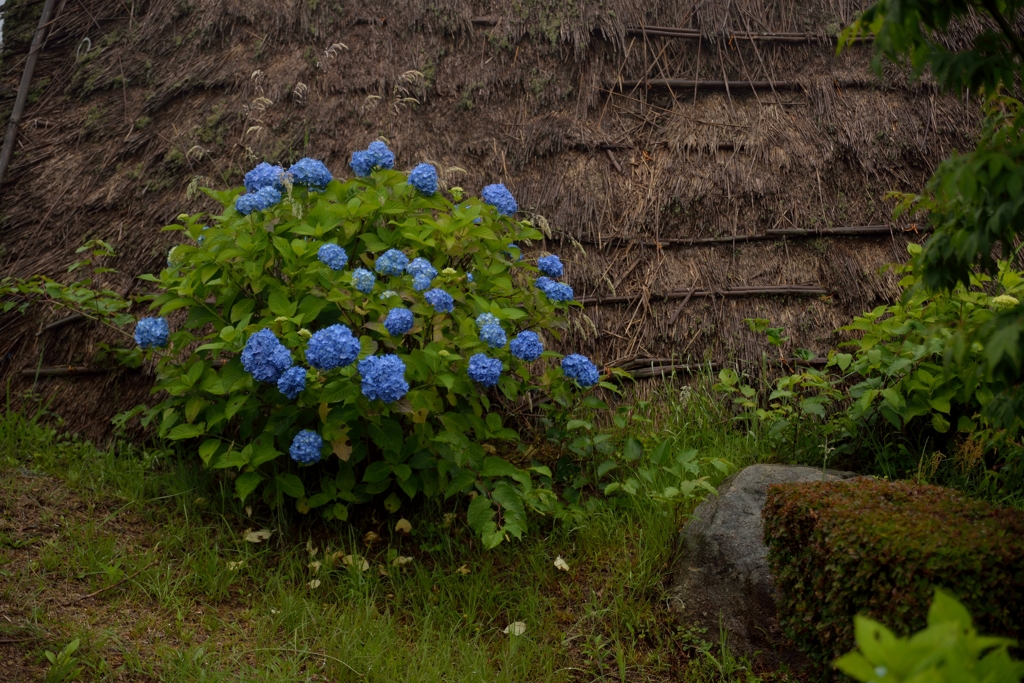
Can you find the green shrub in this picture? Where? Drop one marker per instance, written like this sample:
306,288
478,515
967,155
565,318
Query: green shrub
879,549
295,267
949,650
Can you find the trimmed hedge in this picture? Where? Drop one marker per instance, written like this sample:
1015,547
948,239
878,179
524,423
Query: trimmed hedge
879,549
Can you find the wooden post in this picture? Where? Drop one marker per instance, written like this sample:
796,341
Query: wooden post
26,81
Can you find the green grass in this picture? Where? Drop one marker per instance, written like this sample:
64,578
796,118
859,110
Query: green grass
140,555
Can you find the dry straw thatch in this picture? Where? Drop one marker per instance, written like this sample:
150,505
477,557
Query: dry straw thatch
681,169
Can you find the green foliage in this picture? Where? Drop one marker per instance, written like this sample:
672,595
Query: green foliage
949,650
248,273
974,201
911,375
63,665
879,548
83,296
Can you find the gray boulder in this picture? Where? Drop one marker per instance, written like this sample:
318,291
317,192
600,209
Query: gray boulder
722,578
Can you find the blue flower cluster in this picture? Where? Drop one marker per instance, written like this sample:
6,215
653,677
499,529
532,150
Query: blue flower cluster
306,447
398,322
152,333
526,346
424,178
265,357
500,198
556,291
377,155
486,319
391,262
292,382
494,335
333,256
581,369
264,175
441,300
310,173
551,265
484,370
423,273
260,200
383,378
363,280
469,277
332,347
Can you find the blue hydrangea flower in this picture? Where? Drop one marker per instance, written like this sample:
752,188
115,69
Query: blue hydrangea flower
391,262
441,300
265,357
486,319
292,382
264,175
494,335
332,347
360,163
311,173
383,378
526,346
380,155
581,369
386,294
333,256
151,333
202,238
424,178
377,155
469,277
559,291
260,200
306,447
500,198
363,280
421,265
421,281
398,322
551,265
484,370
543,283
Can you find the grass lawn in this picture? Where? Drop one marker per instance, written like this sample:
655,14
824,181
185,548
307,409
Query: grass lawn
142,557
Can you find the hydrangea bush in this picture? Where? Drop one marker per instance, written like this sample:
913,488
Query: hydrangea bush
349,340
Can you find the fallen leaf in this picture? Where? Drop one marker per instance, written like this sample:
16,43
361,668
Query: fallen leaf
234,566
403,526
561,564
382,571
315,566
257,536
248,511
315,583
370,538
355,561
516,628
464,569
400,560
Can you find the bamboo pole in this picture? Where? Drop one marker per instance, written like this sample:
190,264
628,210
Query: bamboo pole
767,290
26,81
787,233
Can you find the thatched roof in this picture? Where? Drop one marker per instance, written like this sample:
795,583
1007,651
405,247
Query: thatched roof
676,160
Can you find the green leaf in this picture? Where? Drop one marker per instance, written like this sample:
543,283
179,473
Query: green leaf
290,484
497,467
633,450
246,483
280,305
377,471
186,431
